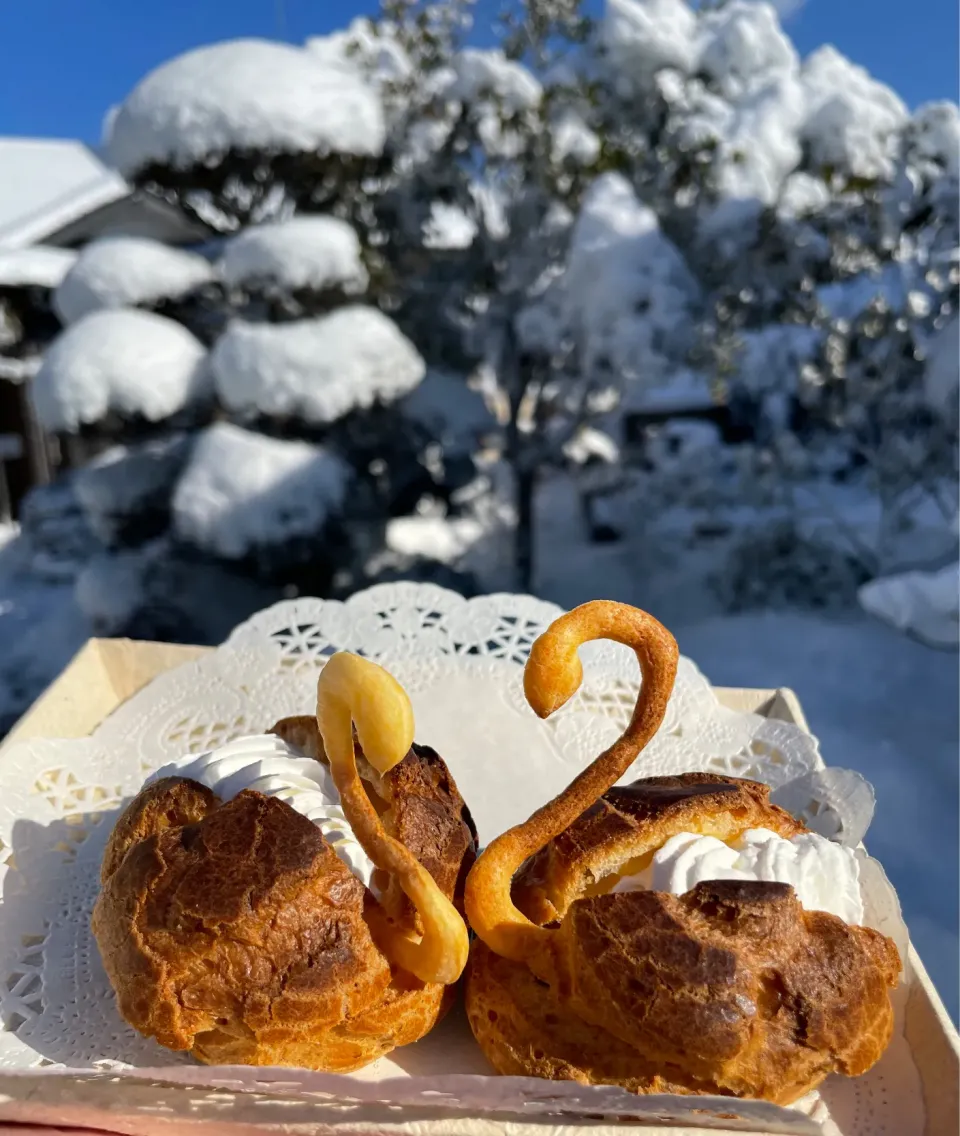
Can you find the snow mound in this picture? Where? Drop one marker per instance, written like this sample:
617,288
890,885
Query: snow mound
38,266
126,272
483,74
450,409
243,94
852,121
135,363
628,292
742,43
317,368
242,491
303,252
641,37
924,604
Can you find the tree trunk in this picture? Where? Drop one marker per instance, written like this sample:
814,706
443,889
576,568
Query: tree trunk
526,481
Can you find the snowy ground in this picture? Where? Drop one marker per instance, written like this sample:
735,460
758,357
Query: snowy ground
878,702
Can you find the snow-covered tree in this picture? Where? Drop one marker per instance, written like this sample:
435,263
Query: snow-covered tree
240,403
602,206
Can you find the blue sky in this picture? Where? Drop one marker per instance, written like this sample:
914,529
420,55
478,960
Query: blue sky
64,62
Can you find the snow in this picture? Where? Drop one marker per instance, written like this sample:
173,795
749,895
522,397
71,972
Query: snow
126,481
484,74
742,44
941,377
628,293
443,539
316,368
573,140
36,266
126,272
924,604
451,410
448,227
112,587
641,37
803,194
302,252
244,94
852,120
934,134
47,184
242,491
771,357
135,363
684,390
366,48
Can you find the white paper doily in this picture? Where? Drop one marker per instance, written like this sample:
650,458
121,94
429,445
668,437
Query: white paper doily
460,662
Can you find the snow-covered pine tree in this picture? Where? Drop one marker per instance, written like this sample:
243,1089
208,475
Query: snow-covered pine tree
239,401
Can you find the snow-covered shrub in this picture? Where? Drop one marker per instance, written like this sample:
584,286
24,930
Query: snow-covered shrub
779,567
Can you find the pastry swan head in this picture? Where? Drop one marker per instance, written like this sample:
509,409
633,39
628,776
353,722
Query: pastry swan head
354,692
552,676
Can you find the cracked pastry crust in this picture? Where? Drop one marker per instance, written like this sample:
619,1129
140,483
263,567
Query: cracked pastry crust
233,930
732,989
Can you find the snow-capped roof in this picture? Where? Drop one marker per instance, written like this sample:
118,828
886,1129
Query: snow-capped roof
37,266
136,363
303,252
244,94
851,119
242,491
49,183
318,368
120,272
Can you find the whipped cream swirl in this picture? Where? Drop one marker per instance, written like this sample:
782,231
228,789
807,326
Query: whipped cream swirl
268,765
825,875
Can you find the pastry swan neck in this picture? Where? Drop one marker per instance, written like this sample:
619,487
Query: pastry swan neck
552,676
352,692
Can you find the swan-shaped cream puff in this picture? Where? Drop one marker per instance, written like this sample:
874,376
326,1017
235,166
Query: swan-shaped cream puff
228,924
585,971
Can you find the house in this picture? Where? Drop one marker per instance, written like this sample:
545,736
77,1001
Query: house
55,195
